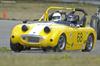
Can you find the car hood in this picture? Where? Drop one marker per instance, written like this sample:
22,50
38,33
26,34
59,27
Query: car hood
37,28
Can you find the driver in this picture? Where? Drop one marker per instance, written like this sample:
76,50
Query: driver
73,19
56,16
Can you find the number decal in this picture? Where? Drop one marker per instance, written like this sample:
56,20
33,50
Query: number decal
79,37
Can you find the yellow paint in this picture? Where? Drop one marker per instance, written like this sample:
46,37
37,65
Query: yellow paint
56,30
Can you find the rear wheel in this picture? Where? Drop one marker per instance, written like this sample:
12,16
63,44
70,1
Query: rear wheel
89,44
16,47
61,43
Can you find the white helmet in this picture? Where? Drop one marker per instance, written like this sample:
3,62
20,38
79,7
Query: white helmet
56,17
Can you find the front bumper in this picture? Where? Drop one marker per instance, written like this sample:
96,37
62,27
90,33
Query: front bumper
34,40
31,38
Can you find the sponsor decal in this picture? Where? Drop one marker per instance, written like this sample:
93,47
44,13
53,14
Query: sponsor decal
79,37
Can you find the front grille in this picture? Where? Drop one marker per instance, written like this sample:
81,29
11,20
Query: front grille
31,38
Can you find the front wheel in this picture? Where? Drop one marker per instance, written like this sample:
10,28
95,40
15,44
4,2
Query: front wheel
89,44
61,43
16,47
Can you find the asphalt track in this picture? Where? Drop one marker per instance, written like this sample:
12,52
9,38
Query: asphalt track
5,31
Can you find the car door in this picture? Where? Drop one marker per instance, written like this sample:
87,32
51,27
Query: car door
78,32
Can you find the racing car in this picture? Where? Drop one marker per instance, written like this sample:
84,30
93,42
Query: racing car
60,29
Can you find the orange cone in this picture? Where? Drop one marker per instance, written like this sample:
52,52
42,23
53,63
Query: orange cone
5,14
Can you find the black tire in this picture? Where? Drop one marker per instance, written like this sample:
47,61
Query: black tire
16,47
89,44
61,44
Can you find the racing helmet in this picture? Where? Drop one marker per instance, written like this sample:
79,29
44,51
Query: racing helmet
56,16
73,18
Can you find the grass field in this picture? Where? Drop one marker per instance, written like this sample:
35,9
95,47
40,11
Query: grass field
43,59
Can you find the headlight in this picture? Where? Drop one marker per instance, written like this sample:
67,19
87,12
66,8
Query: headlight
24,28
47,29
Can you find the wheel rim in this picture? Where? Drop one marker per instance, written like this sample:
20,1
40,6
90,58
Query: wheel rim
62,43
90,43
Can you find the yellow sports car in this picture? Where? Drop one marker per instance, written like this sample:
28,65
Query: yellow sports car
58,29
